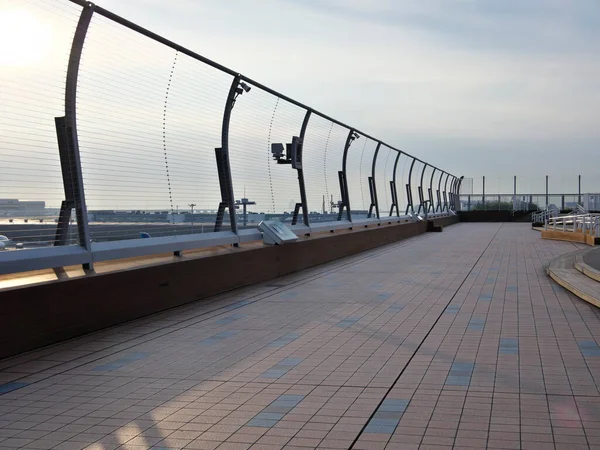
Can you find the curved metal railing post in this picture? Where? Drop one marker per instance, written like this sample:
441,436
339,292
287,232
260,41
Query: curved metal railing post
420,188
438,193
343,176
452,193
223,163
456,194
458,184
393,187
68,146
445,193
431,205
373,185
409,204
300,170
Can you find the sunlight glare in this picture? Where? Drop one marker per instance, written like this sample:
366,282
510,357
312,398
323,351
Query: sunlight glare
24,39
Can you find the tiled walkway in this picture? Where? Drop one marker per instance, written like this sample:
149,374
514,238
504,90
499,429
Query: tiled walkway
448,340
592,258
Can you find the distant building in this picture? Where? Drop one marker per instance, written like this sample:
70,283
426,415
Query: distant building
591,202
15,206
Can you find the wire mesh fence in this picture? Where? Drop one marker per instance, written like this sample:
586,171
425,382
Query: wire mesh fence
527,192
114,133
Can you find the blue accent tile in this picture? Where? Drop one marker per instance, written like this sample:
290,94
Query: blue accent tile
289,361
589,348
383,422
349,321
284,340
273,413
489,280
462,366
274,373
281,368
268,416
236,305
509,346
395,308
380,429
382,425
226,334
476,324
460,374
458,381
383,296
229,319
393,405
512,289
290,398
218,337
261,423
485,297
12,386
452,309
121,362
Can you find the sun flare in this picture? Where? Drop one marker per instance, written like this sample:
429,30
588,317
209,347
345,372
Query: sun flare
24,39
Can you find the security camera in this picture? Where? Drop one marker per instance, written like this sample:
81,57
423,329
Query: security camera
244,86
277,151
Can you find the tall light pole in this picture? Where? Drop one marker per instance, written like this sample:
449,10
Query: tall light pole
191,205
244,202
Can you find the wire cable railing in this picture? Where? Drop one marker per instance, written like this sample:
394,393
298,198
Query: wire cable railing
119,143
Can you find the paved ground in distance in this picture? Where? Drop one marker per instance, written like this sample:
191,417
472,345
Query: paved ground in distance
592,258
448,340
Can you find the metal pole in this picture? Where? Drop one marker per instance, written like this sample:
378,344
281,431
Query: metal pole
455,194
393,187
579,191
409,205
439,198
546,191
305,216
67,127
515,192
225,179
191,205
445,193
421,195
430,193
459,184
375,179
483,195
344,187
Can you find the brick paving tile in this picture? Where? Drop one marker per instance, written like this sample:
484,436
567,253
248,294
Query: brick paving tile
447,340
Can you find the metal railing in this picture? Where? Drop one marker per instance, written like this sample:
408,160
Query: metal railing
521,202
119,143
583,223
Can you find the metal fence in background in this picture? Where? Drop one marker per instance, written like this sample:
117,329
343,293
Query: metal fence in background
118,143
527,193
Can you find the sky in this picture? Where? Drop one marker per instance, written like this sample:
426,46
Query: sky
475,87
481,87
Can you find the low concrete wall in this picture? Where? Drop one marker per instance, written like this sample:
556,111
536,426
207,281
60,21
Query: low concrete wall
570,236
43,314
486,216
